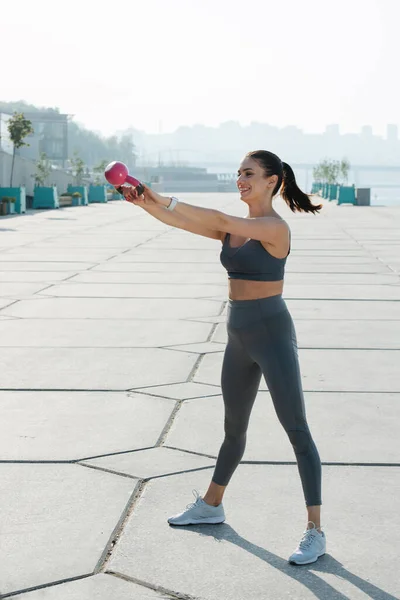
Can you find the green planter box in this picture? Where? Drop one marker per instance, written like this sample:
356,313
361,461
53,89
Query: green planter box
45,197
82,189
315,188
19,194
333,192
97,193
347,194
115,195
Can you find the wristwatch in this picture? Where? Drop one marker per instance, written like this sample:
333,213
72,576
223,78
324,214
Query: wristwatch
173,203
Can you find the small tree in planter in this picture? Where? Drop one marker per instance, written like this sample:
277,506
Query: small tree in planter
44,196
317,174
78,167
344,170
327,173
79,171
18,128
333,172
97,191
43,170
99,170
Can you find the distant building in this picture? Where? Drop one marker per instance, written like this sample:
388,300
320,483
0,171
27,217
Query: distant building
392,134
366,131
50,136
332,129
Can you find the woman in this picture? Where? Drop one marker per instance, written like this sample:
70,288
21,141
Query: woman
261,335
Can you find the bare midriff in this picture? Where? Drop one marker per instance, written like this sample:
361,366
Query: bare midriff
242,289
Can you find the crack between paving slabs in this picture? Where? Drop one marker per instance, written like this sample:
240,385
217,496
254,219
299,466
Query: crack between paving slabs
168,594
277,462
105,470
217,351
140,487
360,243
146,387
190,377
59,389
118,529
8,305
96,264
143,479
28,298
208,395
179,403
136,297
200,383
45,585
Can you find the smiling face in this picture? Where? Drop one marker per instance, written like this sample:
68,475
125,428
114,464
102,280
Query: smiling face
252,181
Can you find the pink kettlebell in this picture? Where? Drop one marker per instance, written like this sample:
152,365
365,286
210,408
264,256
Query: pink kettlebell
117,174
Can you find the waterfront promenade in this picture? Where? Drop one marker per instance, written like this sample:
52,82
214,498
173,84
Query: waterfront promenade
112,331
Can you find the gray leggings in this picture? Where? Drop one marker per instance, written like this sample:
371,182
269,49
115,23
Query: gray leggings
262,341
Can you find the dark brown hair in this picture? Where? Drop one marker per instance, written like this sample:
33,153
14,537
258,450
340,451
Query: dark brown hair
294,197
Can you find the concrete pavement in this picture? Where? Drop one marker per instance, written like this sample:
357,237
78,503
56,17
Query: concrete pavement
112,331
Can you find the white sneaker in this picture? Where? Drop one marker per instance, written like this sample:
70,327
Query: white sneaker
311,547
199,512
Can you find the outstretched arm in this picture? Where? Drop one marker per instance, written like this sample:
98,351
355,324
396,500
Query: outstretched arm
172,218
264,229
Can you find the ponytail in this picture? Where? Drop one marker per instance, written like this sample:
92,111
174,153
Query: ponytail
292,194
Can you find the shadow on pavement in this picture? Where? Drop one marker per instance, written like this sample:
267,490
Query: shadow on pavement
305,574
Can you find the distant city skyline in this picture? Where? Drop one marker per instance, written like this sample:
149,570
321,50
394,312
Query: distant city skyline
157,65
229,142
200,145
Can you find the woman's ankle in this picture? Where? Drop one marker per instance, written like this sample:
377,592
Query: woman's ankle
211,501
214,494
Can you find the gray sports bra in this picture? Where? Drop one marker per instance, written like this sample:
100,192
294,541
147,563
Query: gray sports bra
251,261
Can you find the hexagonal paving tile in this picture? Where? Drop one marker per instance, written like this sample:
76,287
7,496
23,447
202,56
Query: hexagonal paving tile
337,334
218,319
106,369
159,277
205,348
76,425
182,391
114,308
103,333
71,267
344,309
265,518
15,290
371,370
152,463
353,418
132,290
161,267
34,276
56,521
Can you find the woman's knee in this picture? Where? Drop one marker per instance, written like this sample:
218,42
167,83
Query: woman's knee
300,439
234,431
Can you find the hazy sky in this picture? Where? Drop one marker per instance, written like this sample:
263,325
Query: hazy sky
163,63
